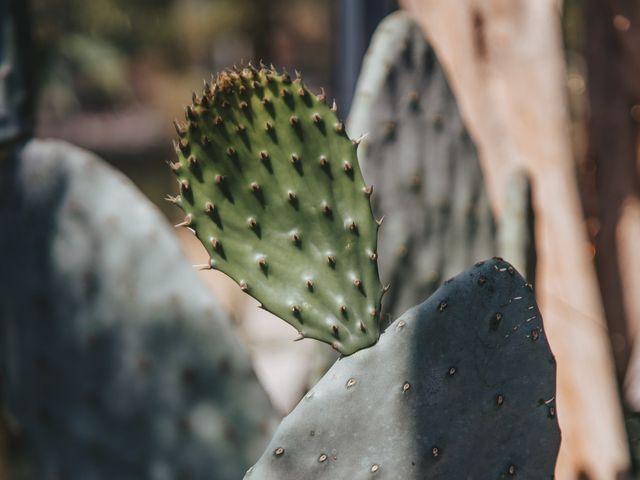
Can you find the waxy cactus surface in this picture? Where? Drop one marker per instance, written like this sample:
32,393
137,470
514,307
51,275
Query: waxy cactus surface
460,387
270,183
115,360
424,166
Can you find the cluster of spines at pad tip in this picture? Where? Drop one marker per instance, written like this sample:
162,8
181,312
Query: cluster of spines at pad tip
271,185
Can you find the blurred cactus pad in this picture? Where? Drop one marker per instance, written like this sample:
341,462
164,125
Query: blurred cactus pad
425,168
270,184
115,360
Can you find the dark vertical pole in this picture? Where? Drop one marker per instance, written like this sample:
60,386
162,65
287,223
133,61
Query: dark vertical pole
261,29
16,123
16,73
612,53
354,23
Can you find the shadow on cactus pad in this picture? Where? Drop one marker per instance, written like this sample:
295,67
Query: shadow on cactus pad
461,386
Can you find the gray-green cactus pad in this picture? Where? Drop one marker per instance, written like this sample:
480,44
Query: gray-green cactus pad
115,361
460,387
270,183
428,183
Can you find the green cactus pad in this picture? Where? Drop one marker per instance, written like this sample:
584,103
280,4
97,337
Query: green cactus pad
271,185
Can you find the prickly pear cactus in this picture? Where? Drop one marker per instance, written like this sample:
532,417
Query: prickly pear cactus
115,361
270,183
424,167
461,386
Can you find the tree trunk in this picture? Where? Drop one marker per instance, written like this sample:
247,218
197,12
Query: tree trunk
613,59
505,63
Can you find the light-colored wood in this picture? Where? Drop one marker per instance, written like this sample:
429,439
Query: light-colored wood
505,64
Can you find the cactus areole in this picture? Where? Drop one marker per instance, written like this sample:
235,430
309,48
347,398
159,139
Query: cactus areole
270,184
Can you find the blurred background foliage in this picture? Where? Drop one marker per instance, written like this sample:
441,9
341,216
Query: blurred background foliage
113,73
102,54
